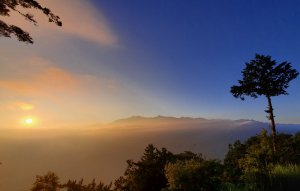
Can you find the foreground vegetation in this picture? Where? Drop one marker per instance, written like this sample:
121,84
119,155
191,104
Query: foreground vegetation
251,165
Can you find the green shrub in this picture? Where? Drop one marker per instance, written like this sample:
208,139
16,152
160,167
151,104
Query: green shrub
285,177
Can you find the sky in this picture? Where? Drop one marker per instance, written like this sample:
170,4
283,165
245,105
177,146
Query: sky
116,59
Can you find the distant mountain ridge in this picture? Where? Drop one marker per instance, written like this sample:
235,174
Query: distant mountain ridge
189,122
154,121
208,136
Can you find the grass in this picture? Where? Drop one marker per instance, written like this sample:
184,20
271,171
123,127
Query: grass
285,177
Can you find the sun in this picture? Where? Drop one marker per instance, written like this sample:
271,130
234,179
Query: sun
28,121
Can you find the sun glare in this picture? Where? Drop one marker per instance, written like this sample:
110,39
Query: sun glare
28,121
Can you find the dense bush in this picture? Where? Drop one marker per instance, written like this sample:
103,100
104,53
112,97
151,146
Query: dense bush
285,177
254,165
193,175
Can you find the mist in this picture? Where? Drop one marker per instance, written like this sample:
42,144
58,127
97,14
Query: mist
100,152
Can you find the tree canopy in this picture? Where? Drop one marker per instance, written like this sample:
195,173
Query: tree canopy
194,175
6,6
147,174
262,76
48,182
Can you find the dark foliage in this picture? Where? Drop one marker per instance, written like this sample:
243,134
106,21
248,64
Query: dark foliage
48,182
233,171
194,175
6,6
251,165
73,185
148,173
263,76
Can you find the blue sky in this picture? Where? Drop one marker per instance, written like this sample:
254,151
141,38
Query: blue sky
192,52
159,57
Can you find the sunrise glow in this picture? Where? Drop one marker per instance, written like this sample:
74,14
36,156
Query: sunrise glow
28,121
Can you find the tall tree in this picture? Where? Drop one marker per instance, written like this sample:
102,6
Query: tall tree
263,77
147,174
6,6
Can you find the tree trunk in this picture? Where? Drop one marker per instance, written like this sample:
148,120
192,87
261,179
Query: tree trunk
271,118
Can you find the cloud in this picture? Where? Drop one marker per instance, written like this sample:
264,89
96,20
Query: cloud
37,76
23,106
56,78
44,78
80,18
17,87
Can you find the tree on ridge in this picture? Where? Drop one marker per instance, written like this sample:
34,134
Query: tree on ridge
263,77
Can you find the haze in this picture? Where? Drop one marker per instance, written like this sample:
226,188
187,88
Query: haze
101,152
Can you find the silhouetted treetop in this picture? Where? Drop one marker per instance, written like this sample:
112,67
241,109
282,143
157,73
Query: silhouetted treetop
262,76
47,182
6,6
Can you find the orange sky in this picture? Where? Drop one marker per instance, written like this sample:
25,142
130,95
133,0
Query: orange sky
87,72
53,89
